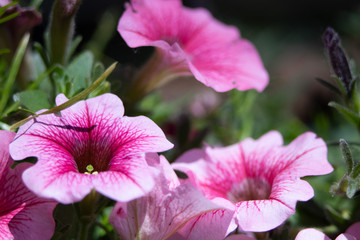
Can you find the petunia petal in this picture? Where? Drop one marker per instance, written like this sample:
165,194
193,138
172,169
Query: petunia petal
214,225
298,157
23,215
160,213
354,230
255,215
311,233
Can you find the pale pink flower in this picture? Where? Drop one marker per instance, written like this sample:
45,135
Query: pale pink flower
90,145
23,215
352,233
191,41
260,177
163,212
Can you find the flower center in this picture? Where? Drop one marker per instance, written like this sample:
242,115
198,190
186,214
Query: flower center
90,170
92,157
250,189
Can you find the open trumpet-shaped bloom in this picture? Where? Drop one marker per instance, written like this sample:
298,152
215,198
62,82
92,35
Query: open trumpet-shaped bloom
352,233
23,215
164,211
91,145
260,177
192,41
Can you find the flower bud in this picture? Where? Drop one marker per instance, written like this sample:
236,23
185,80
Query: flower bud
61,28
338,59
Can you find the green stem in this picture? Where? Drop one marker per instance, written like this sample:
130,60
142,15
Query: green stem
83,230
13,72
87,214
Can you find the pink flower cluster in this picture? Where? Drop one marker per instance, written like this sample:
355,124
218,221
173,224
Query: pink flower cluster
253,185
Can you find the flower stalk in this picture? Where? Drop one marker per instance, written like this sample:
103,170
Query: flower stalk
86,214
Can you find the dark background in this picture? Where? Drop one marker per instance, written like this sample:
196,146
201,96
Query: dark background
304,20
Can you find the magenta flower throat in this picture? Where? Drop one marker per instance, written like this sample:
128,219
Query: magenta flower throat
91,145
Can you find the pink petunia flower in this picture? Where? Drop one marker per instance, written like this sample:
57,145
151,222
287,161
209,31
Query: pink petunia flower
23,215
260,177
352,233
191,41
90,145
171,211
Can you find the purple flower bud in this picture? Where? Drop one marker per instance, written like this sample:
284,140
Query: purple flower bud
338,58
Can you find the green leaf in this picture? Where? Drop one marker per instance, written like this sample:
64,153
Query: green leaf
34,100
339,188
9,17
352,188
34,85
4,50
42,53
74,44
15,65
104,87
3,9
79,72
4,126
71,101
346,153
341,85
355,172
328,85
349,114
36,3
98,69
